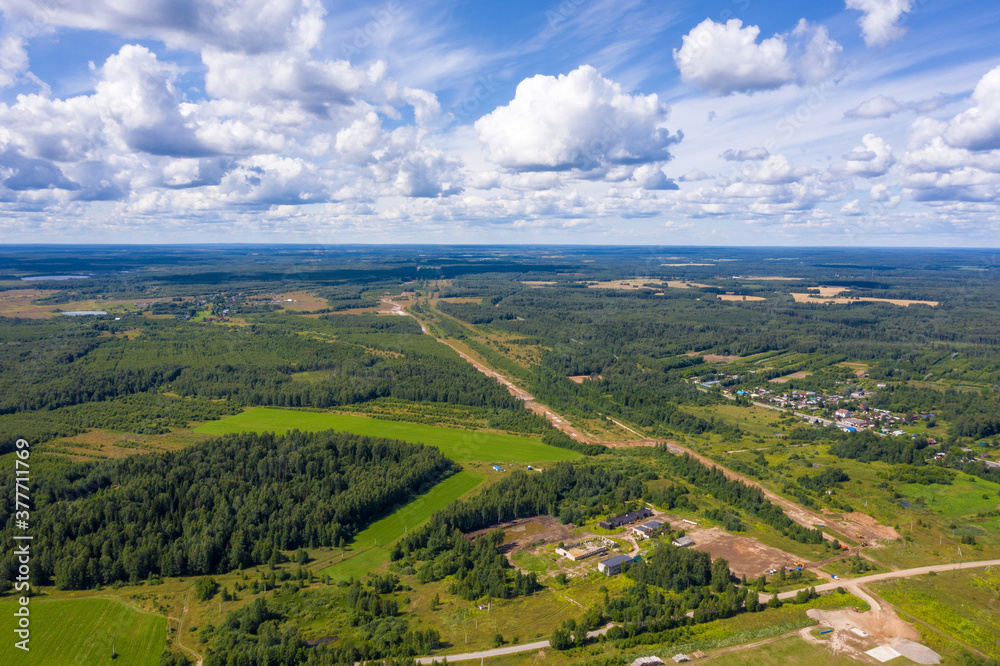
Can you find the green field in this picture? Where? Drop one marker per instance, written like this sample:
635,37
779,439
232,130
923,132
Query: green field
964,605
963,497
371,546
458,445
81,631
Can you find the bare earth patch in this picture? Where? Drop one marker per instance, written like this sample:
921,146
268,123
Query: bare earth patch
634,283
855,633
684,284
788,378
738,297
579,379
870,527
859,368
813,298
744,554
538,284
526,532
18,303
301,301
715,358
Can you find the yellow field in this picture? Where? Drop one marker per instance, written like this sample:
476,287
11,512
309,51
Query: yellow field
99,444
788,378
738,297
858,368
19,303
538,284
299,301
462,299
829,291
634,283
813,298
681,284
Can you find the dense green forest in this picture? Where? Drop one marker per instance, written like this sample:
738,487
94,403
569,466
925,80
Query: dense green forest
229,503
194,334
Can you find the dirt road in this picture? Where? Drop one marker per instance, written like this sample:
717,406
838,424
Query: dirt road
889,575
797,513
499,652
870,532
557,421
853,585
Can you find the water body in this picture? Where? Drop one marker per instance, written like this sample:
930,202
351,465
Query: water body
34,278
78,313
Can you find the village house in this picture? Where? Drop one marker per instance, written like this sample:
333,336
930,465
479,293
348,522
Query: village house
648,529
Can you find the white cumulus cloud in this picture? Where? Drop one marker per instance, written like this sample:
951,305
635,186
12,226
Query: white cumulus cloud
578,120
872,158
723,58
978,128
880,24
876,107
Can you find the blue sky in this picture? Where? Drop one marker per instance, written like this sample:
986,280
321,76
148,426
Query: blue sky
855,122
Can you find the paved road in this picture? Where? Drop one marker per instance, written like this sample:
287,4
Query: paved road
851,583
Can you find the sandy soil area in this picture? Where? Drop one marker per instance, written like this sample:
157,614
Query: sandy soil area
855,633
788,378
745,555
738,297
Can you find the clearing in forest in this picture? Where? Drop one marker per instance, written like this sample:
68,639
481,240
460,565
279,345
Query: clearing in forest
740,297
371,547
839,300
788,378
456,444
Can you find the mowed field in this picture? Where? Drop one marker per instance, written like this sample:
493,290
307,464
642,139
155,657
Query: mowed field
82,631
370,548
458,445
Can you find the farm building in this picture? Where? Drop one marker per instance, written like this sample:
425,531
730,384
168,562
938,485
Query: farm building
582,551
625,519
614,565
648,529
683,542
647,661
498,468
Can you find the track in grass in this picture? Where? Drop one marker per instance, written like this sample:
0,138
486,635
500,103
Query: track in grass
371,546
82,631
458,445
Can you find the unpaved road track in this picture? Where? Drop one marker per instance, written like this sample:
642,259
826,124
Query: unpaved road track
530,403
799,514
852,584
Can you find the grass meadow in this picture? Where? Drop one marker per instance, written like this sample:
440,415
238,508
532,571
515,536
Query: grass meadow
82,631
456,444
371,546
